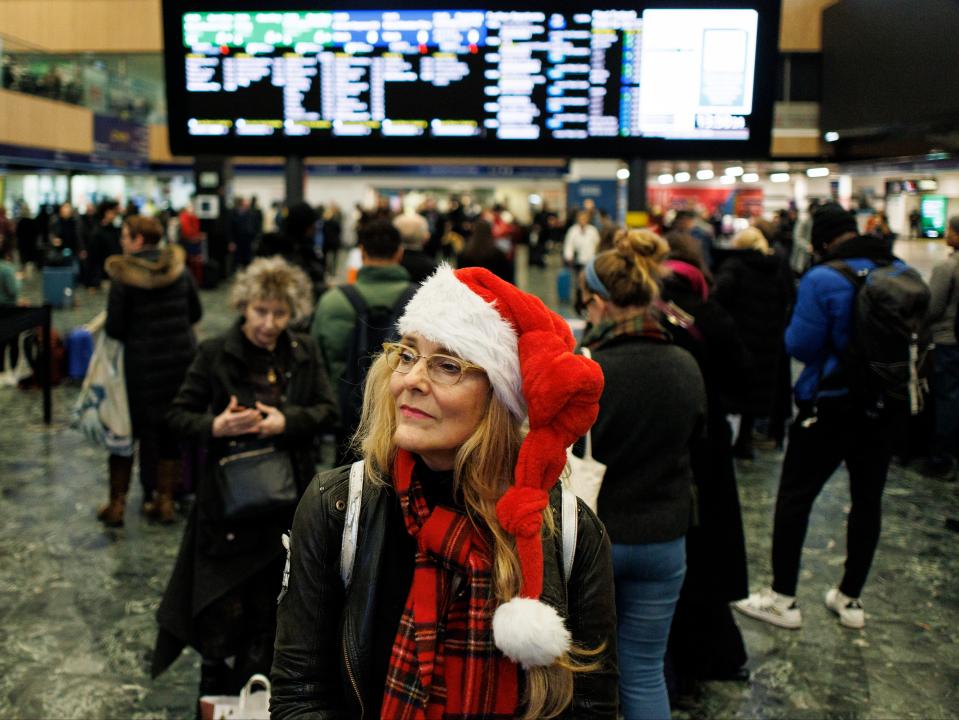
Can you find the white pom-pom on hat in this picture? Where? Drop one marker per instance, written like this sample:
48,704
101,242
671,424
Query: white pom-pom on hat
530,632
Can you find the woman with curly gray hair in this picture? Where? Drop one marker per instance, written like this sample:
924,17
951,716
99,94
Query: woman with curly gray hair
255,397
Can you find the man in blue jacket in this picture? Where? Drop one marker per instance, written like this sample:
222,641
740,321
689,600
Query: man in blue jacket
831,427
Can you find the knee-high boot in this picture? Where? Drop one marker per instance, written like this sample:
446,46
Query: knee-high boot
121,468
168,477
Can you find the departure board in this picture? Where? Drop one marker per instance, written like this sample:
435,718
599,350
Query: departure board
340,80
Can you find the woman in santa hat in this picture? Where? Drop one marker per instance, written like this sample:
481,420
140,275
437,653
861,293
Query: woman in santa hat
456,604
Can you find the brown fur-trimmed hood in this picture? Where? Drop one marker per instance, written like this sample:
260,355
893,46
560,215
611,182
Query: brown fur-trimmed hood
148,269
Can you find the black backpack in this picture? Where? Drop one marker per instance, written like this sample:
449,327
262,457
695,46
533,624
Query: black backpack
886,361
373,327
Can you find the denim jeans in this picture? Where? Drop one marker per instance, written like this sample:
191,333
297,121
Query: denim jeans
648,579
946,440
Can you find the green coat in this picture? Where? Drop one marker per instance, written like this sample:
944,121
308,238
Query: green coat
334,318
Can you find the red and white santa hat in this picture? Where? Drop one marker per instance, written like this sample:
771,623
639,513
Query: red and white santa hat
527,351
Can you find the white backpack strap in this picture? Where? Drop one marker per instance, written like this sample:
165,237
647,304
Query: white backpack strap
570,526
588,454
351,525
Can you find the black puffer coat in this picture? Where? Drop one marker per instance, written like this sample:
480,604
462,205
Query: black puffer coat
757,290
152,307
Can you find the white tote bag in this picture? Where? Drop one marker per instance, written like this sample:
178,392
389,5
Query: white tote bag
102,412
247,706
585,473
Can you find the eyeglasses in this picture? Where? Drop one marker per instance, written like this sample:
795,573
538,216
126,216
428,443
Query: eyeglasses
441,369
582,305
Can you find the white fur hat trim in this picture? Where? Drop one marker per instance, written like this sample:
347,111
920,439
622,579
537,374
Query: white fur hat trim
530,632
446,311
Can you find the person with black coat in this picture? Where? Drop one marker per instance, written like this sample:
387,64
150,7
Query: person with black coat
66,233
414,231
258,388
104,242
481,251
756,287
152,307
332,237
296,243
651,413
27,232
705,643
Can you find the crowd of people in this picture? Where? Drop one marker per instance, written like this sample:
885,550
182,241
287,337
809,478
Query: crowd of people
65,81
457,598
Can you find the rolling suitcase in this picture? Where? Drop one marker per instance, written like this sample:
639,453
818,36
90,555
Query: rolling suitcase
564,285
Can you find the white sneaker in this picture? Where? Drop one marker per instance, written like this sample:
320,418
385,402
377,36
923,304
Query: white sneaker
849,610
771,607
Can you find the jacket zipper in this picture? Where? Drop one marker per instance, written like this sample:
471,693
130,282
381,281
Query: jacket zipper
349,672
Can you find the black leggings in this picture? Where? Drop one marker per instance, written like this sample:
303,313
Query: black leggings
816,449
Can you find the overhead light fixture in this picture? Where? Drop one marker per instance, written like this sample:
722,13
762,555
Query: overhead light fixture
622,174
704,174
727,180
682,177
734,171
665,179
780,177
831,136
751,177
817,172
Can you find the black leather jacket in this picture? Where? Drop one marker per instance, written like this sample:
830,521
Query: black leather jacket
333,647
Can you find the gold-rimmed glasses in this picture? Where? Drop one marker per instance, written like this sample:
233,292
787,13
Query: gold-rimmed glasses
441,369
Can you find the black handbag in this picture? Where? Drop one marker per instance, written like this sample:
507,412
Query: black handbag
255,478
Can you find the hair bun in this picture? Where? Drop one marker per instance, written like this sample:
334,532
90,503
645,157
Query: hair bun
646,244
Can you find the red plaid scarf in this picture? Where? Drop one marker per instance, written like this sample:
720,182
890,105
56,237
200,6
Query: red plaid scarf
444,663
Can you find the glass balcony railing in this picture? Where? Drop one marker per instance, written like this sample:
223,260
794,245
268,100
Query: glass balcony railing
129,87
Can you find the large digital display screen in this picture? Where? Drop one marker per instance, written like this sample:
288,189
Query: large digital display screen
566,80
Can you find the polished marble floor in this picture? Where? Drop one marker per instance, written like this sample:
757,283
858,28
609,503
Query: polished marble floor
77,601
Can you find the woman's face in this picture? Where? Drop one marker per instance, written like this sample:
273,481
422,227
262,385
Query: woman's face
593,304
129,243
264,321
434,420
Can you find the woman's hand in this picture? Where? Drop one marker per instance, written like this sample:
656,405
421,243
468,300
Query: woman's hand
273,422
236,420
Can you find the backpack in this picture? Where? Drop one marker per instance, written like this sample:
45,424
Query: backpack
373,327
886,361
569,527
349,541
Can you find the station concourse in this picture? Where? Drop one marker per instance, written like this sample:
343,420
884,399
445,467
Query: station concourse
525,140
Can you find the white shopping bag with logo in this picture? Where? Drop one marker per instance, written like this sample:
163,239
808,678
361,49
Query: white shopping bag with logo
102,411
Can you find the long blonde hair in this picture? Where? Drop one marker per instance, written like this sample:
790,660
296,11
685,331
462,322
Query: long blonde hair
482,472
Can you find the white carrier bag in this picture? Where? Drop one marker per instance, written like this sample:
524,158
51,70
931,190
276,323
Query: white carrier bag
585,473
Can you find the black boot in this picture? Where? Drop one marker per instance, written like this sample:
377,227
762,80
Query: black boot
111,514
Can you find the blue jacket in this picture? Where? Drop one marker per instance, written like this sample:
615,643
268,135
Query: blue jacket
822,317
